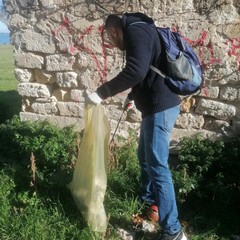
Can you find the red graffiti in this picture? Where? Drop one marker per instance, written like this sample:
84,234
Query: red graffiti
76,45
233,50
201,42
104,51
57,34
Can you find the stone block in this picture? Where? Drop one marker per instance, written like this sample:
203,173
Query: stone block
77,95
28,3
59,62
34,90
224,74
47,3
114,112
67,79
16,40
45,108
62,94
85,60
231,30
67,43
16,21
62,3
59,121
37,42
23,75
43,77
70,109
11,7
224,13
229,93
28,60
212,124
189,121
45,100
210,92
215,109
89,79
45,27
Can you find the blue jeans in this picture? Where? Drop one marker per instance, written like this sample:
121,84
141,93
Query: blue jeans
153,152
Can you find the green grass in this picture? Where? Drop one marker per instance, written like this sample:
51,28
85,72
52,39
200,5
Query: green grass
28,216
48,211
10,101
7,78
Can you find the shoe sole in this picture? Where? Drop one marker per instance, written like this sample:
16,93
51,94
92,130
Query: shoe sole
184,237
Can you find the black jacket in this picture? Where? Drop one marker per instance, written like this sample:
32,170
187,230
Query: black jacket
143,48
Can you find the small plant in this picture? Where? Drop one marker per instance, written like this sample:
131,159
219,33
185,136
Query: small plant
196,158
124,174
55,149
207,179
36,204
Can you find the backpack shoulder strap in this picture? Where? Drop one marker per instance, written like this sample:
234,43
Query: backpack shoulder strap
158,29
157,71
140,22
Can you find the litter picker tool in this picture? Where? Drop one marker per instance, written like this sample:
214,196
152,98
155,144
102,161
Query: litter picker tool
125,108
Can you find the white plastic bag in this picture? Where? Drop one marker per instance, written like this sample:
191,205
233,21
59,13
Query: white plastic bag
89,181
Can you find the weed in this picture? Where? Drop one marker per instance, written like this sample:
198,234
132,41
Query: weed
36,204
55,149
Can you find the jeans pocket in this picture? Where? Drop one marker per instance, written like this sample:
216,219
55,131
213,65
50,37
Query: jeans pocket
170,117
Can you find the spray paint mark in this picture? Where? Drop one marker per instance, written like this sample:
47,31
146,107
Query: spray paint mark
203,48
234,49
75,44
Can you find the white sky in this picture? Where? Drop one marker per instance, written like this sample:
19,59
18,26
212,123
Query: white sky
3,27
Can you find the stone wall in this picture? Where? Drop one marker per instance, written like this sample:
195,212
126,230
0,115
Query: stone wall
60,54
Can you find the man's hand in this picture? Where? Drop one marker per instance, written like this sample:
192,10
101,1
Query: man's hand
128,104
93,98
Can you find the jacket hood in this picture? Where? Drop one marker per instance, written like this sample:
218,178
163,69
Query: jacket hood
129,18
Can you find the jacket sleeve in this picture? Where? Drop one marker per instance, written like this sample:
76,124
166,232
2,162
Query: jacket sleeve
139,53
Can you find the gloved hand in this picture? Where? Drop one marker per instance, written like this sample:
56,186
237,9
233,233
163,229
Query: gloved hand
93,98
128,104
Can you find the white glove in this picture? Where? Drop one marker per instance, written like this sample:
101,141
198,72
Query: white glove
128,104
93,98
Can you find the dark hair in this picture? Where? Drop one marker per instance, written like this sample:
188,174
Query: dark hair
113,20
